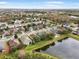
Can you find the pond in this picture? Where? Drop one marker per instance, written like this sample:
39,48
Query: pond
66,49
2,45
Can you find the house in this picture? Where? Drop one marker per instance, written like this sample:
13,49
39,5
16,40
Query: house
3,25
25,40
76,32
30,29
13,44
6,33
17,23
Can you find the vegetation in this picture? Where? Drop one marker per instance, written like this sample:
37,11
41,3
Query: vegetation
74,36
41,36
27,56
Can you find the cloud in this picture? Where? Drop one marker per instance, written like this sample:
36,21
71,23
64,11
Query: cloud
2,3
55,2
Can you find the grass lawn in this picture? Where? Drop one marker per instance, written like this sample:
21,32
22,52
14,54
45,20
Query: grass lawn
74,36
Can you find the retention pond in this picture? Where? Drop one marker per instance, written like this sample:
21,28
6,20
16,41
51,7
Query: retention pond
65,49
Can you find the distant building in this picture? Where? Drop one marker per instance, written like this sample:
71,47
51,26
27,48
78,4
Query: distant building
3,25
76,32
17,23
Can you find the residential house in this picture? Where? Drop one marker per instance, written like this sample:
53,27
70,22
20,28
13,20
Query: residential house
25,39
13,44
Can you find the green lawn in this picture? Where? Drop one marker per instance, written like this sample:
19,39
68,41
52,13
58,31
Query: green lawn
74,36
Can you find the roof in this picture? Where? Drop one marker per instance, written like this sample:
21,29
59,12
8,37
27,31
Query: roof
25,40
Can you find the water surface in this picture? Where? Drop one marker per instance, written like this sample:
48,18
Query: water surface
67,49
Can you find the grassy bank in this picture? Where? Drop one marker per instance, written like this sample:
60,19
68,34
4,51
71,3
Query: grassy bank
27,56
73,36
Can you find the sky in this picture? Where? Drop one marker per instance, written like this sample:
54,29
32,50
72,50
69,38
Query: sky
40,4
